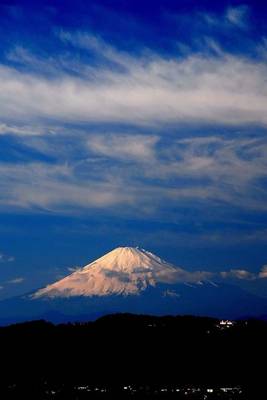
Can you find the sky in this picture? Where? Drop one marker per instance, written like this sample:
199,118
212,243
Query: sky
132,123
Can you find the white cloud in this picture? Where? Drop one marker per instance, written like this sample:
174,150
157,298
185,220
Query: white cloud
243,274
227,276
148,90
125,147
208,169
16,281
73,269
238,274
139,91
55,187
23,130
193,277
96,45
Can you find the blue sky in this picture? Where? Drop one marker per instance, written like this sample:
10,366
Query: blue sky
132,123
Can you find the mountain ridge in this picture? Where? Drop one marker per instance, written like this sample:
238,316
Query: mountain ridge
136,281
123,271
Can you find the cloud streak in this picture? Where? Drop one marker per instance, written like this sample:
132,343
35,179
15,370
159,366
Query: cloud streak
144,90
238,16
231,275
109,130
263,272
237,274
124,147
16,281
140,172
49,187
5,258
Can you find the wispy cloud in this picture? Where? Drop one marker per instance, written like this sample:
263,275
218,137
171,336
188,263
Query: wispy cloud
262,48
140,90
146,173
50,187
124,147
16,281
96,45
134,155
231,275
238,274
24,130
263,272
6,258
243,274
238,15
73,269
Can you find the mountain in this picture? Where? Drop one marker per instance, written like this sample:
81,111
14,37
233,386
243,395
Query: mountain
123,271
132,280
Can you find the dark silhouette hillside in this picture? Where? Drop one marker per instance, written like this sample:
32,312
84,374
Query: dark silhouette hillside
124,349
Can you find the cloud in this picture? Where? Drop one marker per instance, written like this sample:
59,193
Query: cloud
73,269
123,147
169,276
146,173
192,277
262,48
23,57
24,130
141,90
263,272
16,281
171,293
49,187
114,141
119,275
5,258
238,16
243,274
238,274
96,45
229,275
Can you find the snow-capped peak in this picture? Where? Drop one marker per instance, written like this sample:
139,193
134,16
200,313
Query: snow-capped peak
124,270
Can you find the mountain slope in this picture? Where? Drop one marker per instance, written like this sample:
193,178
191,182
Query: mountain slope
132,280
123,271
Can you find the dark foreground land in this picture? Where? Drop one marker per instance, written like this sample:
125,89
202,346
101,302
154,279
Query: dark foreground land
129,356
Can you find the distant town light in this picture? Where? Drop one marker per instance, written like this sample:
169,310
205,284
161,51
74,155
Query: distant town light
226,323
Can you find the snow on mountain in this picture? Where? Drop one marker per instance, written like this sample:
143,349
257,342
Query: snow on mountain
123,271
132,280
